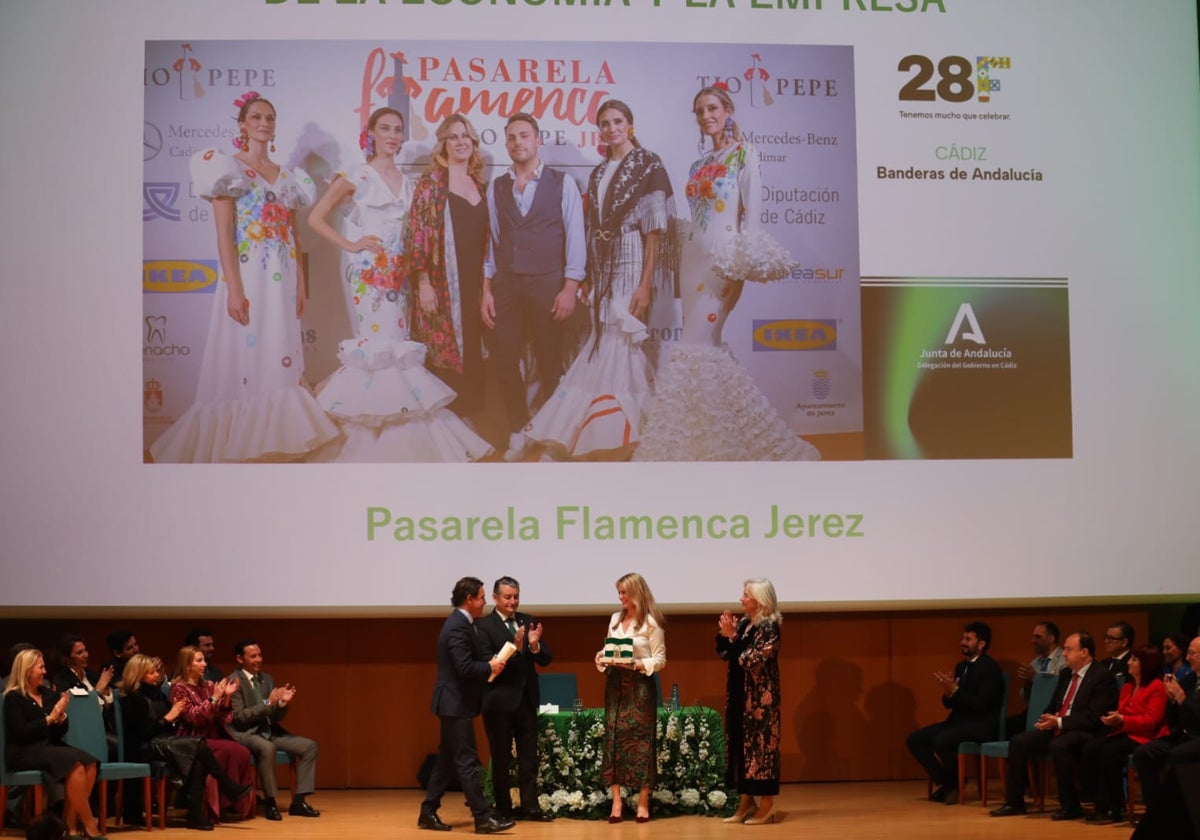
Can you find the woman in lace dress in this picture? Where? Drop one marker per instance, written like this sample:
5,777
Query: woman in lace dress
706,406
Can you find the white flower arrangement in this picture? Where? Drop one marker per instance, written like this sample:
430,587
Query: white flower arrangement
690,757
754,256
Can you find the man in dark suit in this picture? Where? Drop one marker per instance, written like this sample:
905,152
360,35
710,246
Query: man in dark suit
510,702
973,693
259,707
1182,743
1118,643
1086,691
463,670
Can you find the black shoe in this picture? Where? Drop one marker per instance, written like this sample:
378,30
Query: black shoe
199,825
1099,818
938,795
537,815
491,825
1007,810
302,809
273,812
430,821
1067,814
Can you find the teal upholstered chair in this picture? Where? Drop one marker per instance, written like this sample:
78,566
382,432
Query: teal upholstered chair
560,689
1039,696
972,749
158,770
19,778
86,732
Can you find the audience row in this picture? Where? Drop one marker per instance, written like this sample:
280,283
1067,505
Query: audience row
201,728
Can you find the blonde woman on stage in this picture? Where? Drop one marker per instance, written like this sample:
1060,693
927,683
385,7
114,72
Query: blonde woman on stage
635,649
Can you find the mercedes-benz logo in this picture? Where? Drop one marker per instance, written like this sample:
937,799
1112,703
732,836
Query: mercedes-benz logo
151,141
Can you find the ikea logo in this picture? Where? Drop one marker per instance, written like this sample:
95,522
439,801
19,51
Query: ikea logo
179,275
795,334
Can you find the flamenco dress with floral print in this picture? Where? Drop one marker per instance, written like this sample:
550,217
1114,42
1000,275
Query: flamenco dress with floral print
252,403
706,406
390,407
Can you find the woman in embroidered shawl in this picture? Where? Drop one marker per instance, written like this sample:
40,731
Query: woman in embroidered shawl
596,411
448,226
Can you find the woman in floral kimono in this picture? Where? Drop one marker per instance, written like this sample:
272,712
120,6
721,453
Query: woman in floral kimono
448,227
750,647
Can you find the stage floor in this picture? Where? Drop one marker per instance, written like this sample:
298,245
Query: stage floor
842,811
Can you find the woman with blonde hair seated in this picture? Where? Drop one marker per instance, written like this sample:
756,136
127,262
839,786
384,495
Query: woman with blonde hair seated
151,727
206,713
35,720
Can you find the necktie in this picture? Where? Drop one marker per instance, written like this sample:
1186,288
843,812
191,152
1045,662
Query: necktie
1065,708
512,627
1045,663
264,729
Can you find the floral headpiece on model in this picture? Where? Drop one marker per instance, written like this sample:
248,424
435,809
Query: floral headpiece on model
242,141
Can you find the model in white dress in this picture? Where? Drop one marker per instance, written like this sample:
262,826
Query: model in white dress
706,406
252,403
390,407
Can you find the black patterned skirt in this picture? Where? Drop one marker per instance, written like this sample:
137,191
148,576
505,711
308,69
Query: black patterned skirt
629,723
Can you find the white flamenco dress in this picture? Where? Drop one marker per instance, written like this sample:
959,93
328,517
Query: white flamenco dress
390,407
252,403
597,410
706,406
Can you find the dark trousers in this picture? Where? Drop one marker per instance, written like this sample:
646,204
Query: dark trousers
1064,750
935,747
502,729
1104,761
1151,760
457,757
523,304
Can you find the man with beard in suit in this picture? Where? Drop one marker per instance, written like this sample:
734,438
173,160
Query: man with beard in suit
973,694
463,671
1086,691
510,702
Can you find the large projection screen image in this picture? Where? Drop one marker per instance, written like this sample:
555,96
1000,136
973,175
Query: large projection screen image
972,355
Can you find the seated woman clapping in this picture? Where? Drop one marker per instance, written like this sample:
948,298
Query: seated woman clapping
151,734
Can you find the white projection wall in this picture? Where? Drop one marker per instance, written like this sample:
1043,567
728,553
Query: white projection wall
1002,149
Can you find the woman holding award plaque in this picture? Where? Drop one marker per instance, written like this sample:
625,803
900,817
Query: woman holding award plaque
634,650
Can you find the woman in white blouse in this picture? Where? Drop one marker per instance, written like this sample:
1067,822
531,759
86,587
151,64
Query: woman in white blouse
635,649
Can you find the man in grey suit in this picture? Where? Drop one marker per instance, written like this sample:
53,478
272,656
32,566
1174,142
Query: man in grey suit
258,708
463,671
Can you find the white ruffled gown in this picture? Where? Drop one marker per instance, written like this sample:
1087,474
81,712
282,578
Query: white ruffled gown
390,407
252,403
706,406
598,408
